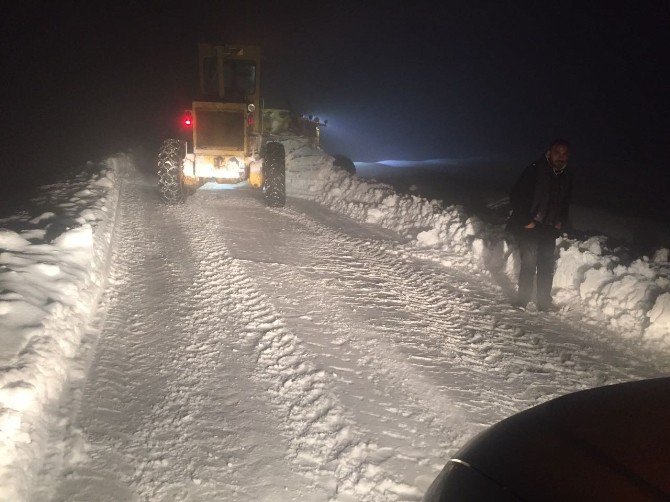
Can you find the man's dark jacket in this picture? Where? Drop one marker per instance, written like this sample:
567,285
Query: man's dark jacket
542,195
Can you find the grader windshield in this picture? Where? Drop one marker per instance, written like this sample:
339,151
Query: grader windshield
229,73
239,79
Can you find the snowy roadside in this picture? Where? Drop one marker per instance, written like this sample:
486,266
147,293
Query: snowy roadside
53,267
630,297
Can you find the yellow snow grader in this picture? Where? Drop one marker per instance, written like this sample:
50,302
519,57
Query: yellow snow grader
225,140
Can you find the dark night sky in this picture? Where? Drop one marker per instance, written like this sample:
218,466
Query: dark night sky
407,80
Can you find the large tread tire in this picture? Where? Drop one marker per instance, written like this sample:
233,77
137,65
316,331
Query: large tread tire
274,175
170,185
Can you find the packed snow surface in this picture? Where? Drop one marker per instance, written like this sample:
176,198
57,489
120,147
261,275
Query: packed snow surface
340,348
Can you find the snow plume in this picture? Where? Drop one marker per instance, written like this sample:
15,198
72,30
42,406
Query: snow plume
52,269
631,298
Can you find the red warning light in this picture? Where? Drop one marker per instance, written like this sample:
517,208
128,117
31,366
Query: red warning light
188,118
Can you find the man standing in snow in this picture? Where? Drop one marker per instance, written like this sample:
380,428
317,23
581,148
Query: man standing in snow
540,201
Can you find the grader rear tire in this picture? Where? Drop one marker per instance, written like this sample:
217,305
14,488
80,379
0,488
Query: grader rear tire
170,184
274,175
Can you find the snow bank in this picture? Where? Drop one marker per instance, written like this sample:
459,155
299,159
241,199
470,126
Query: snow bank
52,270
631,298
53,266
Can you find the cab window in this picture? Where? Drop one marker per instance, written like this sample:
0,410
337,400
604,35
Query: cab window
210,76
239,79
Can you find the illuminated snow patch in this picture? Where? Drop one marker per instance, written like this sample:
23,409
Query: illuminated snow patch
659,318
429,237
212,185
48,291
76,238
10,240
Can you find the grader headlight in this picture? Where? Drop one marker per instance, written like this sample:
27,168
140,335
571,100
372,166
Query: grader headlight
189,164
234,164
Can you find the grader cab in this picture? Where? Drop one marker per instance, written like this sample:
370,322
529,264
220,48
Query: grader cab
224,140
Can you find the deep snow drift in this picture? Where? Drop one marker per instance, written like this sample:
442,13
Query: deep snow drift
54,267
482,187
632,297
52,271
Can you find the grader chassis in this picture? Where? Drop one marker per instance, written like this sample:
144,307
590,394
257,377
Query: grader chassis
222,138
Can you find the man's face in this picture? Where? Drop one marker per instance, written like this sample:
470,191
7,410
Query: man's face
558,156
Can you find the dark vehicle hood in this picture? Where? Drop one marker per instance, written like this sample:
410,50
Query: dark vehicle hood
608,443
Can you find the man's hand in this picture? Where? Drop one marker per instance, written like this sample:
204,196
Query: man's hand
530,225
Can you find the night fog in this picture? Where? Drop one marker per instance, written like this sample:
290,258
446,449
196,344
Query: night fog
394,80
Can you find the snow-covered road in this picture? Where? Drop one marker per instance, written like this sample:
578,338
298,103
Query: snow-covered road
247,353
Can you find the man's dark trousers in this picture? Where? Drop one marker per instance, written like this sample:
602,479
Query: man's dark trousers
537,246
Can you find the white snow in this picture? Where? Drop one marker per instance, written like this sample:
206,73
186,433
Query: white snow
661,255
12,241
55,265
659,316
49,289
588,276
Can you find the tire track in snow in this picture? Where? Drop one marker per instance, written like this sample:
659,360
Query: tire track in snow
170,412
392,314
325,442
511,360
130,399
158,422
196,442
